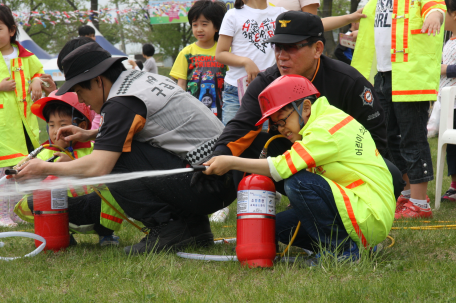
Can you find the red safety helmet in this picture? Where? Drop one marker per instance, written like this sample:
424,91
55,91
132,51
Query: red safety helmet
283,91
69,98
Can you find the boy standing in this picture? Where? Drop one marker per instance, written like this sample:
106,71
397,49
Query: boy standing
408,65
196,69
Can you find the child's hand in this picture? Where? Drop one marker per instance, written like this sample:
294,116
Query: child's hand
356,16
62,157
7,85
35,89
433,23
251,69
219,165
443,69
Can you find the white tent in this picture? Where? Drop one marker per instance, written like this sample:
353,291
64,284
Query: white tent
27,42
52,69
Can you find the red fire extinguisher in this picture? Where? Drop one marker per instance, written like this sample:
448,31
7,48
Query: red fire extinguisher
50,208
256,221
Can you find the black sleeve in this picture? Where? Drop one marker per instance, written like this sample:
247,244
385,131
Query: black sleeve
339,53
451,71
240,132
364,105
121,119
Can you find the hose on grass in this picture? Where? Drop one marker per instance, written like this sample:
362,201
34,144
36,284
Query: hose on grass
26,235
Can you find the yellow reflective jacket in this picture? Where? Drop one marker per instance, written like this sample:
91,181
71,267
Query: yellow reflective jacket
15,113
338,148
108,217
415,57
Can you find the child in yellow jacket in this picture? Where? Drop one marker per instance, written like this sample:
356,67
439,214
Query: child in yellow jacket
20,85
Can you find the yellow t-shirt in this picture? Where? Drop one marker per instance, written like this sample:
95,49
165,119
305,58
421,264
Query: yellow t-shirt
205,76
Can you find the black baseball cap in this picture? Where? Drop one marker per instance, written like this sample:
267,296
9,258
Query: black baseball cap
84,63
295,26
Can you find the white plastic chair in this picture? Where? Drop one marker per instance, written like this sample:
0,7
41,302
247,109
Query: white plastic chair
447,135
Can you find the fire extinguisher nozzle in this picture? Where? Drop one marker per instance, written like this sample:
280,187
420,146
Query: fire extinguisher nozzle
199,167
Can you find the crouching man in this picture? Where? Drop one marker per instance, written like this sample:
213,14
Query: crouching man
337,182
148,123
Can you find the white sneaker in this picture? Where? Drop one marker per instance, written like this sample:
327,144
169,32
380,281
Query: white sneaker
5,220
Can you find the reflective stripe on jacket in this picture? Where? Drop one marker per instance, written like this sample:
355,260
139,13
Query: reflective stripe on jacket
108,217
338,148
15,112
415,57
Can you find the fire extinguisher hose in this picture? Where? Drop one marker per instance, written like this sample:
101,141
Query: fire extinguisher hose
26,235
142,229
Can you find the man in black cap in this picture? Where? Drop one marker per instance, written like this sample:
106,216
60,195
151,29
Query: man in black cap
148,123
298,42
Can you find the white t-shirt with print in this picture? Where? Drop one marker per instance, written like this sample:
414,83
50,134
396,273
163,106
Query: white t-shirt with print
292,5
382,27
249,28
8,58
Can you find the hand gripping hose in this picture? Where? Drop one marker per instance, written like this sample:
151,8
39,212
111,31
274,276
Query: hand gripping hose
26,235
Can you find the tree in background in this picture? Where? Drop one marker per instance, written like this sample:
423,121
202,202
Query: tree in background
170,38
334,8
52,38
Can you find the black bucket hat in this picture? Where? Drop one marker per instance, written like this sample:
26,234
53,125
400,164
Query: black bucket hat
84,63
295,26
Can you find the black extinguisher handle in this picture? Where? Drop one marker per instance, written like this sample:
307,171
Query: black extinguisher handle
199,167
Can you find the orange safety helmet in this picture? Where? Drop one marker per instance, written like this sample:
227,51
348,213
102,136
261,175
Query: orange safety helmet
69,98
282,91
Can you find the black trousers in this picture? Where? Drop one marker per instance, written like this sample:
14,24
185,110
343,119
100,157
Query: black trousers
280,145
155,201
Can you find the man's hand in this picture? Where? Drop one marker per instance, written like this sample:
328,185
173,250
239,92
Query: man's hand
71,132
7,85
219,165
354,35
35,89
433,23
48,79
33,169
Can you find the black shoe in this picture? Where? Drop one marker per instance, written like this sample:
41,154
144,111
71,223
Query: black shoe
73,241
174,235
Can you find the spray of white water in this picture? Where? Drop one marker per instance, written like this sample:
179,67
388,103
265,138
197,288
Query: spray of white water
64,182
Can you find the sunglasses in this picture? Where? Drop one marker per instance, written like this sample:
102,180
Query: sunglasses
282,122
289,47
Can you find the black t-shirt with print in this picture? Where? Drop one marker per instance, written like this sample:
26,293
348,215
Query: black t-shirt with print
121,119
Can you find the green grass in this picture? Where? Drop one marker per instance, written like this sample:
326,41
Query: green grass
420,267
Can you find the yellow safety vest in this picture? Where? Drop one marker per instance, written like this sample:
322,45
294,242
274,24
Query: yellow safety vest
415,57
15,112
338,148
108,217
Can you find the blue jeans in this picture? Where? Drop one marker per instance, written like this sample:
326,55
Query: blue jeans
314,205
230,102
231,105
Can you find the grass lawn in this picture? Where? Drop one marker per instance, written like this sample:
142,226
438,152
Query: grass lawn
419,267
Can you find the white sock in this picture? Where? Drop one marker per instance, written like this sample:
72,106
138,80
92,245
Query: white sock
420,203
406,193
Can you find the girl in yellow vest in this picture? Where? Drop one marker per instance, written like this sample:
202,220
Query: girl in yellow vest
400,42
87,213
20,85
337,182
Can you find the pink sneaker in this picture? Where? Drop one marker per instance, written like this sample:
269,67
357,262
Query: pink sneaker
410,210
5,219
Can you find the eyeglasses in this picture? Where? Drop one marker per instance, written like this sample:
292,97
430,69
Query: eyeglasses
281,122
289,48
